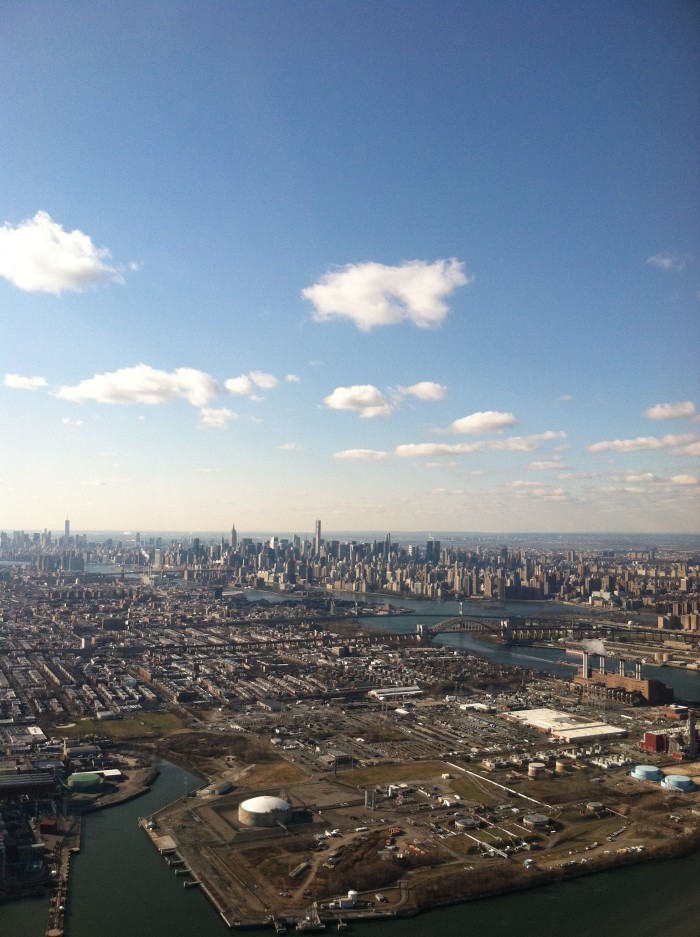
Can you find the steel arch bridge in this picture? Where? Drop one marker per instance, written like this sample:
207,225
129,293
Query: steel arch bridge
508,630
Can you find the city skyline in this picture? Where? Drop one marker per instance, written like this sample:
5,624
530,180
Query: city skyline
399,271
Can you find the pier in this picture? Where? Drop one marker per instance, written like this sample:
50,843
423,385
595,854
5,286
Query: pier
66,847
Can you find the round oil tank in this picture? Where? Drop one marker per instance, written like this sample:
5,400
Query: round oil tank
595,806
85,782
646,773
466,823
264,811
678,782
562,765
352,896
536,769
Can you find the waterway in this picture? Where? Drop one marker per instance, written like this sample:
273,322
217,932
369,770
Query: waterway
120,885
686,683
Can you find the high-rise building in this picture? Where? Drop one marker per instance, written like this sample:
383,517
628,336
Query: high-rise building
66,530
234,537
317,537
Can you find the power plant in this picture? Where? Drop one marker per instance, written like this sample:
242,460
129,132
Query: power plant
618,686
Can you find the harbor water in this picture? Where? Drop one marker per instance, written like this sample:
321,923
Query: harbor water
120,885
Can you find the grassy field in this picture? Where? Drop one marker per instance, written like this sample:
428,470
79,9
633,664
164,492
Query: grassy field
272,773
140,725
392,774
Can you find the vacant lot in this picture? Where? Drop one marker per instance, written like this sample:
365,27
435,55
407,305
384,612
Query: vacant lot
392,774
140,726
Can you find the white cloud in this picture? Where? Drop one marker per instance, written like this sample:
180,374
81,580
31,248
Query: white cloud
19,382
487,421
68,422
636,478
640,443
525,443
693,449
263,379
546,466
509,444
291,447
365,399
247,384
241,386
423,390
361,455
372,294
38,256
217,417
144,384
419,450
684,479
665,261
671,411
292,379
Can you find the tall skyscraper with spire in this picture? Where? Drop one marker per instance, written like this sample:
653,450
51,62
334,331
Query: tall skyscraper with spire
234,537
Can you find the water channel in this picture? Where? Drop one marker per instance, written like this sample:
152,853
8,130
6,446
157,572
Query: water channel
120,886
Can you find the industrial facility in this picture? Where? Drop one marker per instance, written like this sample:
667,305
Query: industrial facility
264,811
618,686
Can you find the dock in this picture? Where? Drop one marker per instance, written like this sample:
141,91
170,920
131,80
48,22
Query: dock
66,847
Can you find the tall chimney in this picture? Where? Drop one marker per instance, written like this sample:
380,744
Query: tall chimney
622,667
585,673
692,737
601,664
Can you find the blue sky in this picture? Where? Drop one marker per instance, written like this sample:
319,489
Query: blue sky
399,265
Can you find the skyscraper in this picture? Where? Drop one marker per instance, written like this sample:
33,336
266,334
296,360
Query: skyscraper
66,531
234,537
317,538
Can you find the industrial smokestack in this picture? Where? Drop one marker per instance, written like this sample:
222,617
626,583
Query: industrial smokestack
601,664
622,667
638,671
585,671
692,737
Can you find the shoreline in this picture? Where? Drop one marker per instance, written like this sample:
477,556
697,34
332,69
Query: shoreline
409,904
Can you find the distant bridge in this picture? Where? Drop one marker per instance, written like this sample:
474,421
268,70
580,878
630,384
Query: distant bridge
509,630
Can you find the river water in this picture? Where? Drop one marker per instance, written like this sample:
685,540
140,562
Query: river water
686,683
121,887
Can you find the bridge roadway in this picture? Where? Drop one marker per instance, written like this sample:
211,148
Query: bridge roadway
526,629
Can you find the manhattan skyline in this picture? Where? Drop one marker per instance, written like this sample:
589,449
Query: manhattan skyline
396,266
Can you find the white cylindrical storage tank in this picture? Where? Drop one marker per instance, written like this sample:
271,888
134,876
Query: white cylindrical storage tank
646,773
264,811
678,782
352,896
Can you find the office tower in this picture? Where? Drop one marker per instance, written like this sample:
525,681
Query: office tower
66,531
317,538
234,537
